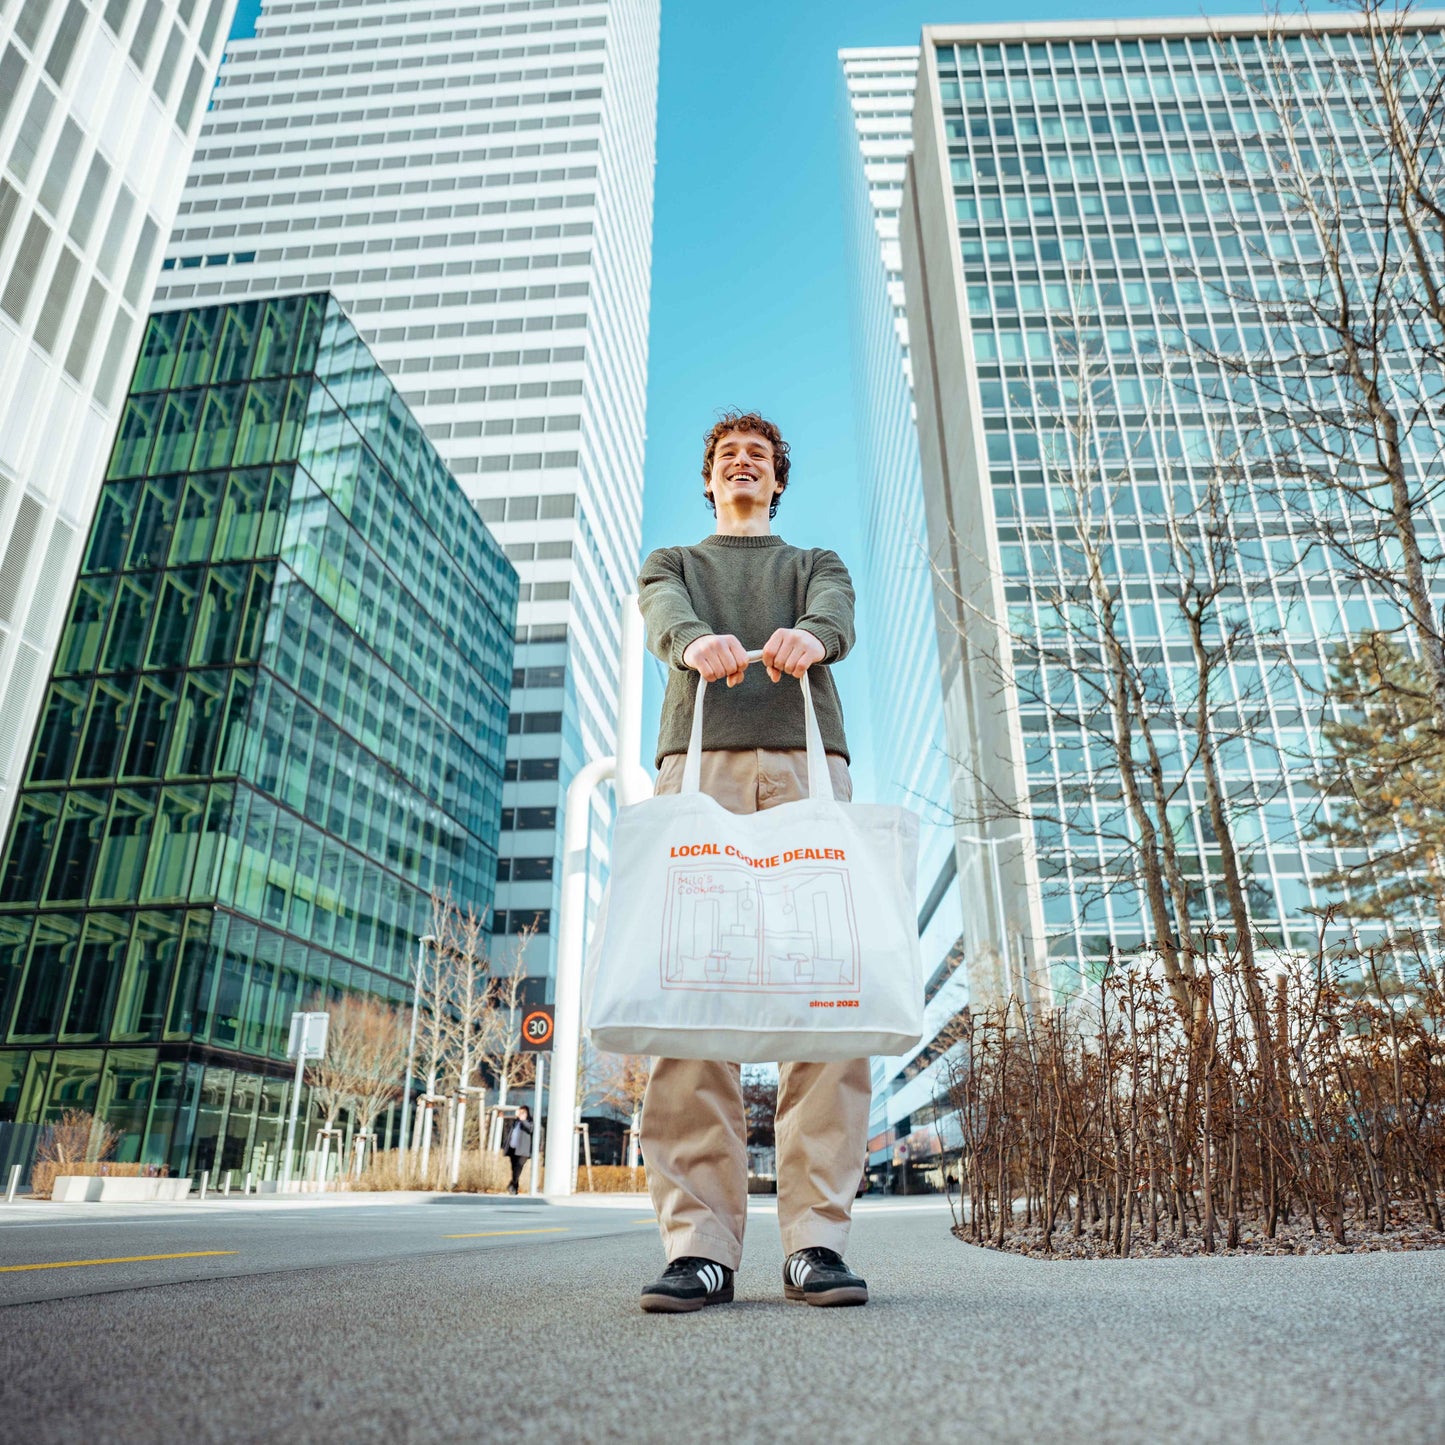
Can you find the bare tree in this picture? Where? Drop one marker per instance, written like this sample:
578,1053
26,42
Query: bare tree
434,1036
1134,733
462,1004
621,1083
377,1047
501,1041
366,1047
1341,370
332,1078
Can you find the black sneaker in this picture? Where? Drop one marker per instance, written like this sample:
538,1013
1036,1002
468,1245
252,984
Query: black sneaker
819,1277
688,1284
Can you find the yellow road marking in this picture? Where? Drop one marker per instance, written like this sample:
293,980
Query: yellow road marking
493,1233
123,1259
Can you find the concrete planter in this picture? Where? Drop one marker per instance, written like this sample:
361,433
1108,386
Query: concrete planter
112,1189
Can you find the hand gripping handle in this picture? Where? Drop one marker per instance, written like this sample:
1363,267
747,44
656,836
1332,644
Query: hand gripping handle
820,781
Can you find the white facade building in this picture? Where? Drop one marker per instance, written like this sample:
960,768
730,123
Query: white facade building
897,590
474,183
100,103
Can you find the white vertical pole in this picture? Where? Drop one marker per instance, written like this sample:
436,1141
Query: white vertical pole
295,1106
633,782
562,1107
482,1134
205,1180
632,785
13,1185
421,944
537,1132
457,1138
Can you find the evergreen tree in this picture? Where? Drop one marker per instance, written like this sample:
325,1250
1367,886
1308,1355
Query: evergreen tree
1383,784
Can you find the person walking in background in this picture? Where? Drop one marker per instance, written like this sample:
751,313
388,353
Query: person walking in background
705,606
518,1148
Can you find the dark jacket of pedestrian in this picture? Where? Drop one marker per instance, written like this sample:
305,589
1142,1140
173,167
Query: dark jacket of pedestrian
519,1139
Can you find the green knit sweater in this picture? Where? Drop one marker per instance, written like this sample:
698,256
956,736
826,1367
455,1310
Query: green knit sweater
750,587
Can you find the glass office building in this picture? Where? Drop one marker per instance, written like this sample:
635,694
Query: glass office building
276,723
475,183
99,109
1071,180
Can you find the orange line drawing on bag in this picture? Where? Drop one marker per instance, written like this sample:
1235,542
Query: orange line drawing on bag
726,929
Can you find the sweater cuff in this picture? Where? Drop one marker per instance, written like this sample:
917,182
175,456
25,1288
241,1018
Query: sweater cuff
683,637
829,636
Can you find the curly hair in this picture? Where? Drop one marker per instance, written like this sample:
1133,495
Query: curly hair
745,421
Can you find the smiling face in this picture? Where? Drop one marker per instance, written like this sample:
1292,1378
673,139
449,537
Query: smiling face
743,477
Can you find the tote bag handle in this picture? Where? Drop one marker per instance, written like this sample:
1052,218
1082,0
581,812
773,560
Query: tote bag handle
820,781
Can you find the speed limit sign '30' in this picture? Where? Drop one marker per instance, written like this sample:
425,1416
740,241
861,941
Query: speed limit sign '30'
537,1028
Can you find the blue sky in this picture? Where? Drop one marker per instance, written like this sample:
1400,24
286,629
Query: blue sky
750,288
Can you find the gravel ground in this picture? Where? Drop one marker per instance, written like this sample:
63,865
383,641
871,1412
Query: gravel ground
1406,1231
544,1340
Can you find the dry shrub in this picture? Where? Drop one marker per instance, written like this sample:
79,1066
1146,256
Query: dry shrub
44,1173
486,1174
611,1179
76,1138
1297,1102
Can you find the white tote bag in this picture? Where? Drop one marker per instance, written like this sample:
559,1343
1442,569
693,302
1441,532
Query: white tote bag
784,934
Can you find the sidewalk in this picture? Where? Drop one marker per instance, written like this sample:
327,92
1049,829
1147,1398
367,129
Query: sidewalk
27,1208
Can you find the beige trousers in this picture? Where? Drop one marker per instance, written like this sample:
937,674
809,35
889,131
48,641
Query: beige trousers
694,1135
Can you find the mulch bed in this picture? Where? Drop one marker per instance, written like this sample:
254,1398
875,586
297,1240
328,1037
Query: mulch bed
1408,1230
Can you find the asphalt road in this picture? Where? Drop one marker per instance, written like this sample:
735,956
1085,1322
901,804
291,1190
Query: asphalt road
377,1323
125,1248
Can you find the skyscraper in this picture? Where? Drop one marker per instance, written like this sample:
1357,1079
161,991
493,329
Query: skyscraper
896,595
1100,253
474,184
99,109
275,727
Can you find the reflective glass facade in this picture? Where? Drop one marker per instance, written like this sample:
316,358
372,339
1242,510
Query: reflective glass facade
1092,172
100,106
277,720
475,183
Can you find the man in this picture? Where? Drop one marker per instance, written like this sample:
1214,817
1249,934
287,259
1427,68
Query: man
706,606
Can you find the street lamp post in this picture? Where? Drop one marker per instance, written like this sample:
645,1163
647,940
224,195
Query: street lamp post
421,944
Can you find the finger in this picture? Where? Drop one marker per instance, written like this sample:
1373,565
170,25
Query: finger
737,655
770,647
774,674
